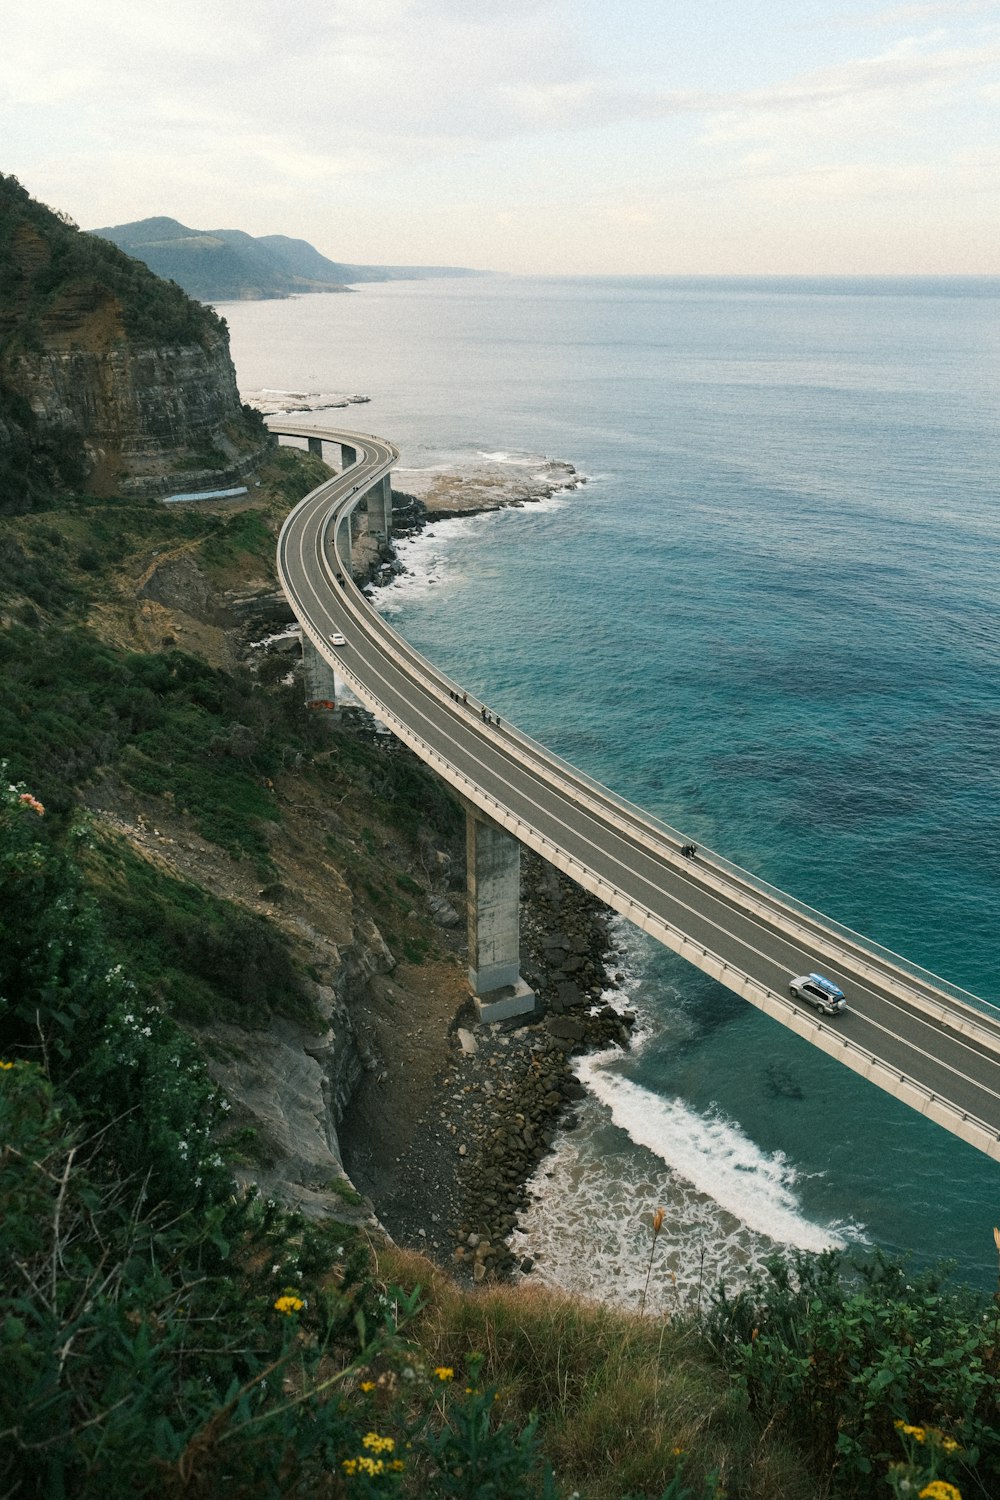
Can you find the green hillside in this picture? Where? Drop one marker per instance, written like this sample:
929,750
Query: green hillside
221,265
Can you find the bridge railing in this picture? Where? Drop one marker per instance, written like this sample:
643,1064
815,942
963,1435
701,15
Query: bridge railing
641,817
640,820
918,1095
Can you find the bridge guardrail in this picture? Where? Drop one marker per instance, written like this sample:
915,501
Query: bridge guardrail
978,1132
656,835
645,828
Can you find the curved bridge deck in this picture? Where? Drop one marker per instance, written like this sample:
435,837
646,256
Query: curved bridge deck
930,1045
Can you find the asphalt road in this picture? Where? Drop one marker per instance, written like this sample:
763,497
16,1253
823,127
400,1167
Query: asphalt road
906,1031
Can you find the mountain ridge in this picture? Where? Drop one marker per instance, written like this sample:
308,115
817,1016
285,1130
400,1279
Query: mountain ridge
225,265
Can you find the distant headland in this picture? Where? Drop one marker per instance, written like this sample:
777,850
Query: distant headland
227,265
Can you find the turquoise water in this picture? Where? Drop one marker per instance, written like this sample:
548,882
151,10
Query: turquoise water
771,617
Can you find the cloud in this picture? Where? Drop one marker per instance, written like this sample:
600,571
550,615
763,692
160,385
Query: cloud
258,114
931,10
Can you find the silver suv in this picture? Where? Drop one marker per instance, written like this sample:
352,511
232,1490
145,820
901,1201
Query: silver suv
827,997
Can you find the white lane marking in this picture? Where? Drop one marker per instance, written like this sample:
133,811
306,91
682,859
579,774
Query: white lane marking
551,785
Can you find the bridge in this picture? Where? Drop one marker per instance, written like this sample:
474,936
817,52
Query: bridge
928,1043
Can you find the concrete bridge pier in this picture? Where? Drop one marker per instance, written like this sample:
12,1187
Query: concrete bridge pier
493,873
320,683
379,499
315,446
348,456
344,542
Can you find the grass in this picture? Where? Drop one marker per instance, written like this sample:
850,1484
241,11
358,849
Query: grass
626,1404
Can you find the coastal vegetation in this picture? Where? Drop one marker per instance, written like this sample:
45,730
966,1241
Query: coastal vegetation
66,263
166,1327
67,301
165,1334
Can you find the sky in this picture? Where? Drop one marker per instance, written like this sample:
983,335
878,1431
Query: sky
556,137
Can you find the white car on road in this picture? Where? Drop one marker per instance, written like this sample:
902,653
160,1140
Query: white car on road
828,998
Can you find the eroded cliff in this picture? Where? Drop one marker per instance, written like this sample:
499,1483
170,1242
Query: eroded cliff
111,381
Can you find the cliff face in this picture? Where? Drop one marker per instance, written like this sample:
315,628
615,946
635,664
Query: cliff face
152,419
110,380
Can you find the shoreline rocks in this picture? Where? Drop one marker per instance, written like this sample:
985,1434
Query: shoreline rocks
486,485
522,1075
507,1088
501,1096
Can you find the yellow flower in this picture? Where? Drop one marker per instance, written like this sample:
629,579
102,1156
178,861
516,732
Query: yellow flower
444,1372
397,1466
378,1444
367,1385
917,1433
940,1489
5,1065
349,1465
288,1305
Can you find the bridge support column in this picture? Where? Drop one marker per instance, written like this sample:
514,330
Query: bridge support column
379,502
348,456
320,683
315,446
493,866
344,543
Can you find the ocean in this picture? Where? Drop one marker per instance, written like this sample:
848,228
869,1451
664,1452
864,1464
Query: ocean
771,618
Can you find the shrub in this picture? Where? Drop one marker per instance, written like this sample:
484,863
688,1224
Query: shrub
841,1352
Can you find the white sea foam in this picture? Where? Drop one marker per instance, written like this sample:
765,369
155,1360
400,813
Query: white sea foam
425,558
428,555
712,1154
548,503
655,1012
588,1225
287,633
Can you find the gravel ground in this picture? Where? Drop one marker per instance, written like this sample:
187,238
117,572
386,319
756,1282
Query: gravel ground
445,1138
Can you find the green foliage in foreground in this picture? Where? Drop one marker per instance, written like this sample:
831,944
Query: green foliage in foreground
121,1069
202,958
218,1352
861,1361
157,1334
153,311
161,1335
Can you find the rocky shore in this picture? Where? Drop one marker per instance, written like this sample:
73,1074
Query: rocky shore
452,1179
486,484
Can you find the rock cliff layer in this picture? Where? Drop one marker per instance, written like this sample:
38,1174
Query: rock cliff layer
110,379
